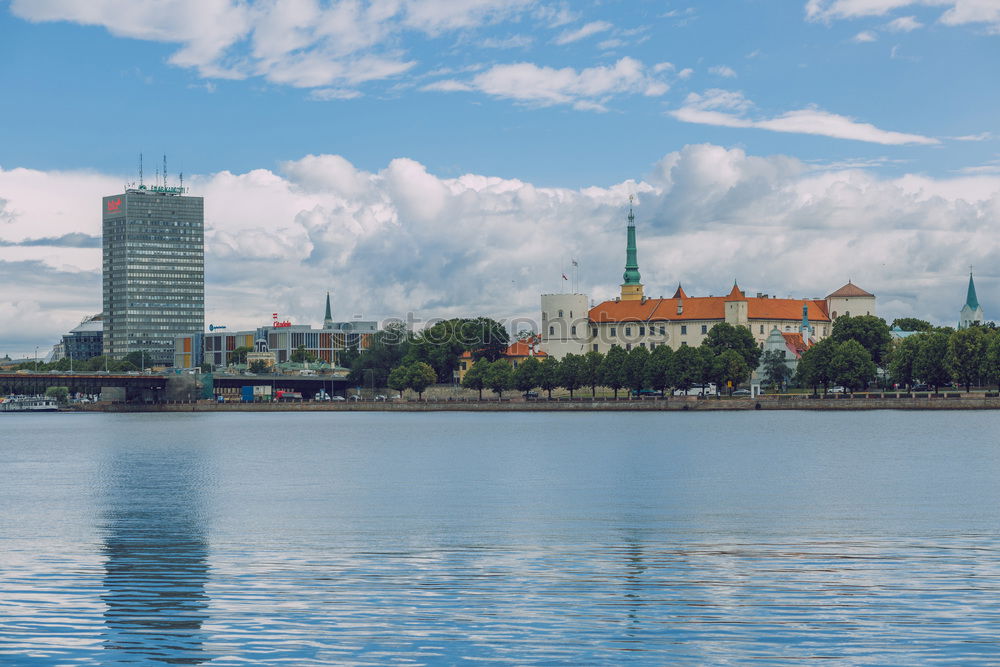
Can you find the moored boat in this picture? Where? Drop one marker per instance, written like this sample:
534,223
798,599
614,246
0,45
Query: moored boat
28,404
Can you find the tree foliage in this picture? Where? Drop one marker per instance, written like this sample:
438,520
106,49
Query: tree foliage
901,360
931,361
851,365
732,369
475,377
967,355
548,375
498,376
911,324
634,368
613,369
572,368
592,370
526,375
870,331
687,368
659,368
775,369
724,336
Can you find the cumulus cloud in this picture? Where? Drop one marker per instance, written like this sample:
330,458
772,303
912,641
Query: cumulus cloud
958,12
730,109
724,71
904,24
587,89
587,30
865,36
405,240
303,43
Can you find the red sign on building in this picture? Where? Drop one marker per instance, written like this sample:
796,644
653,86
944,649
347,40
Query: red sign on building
114,205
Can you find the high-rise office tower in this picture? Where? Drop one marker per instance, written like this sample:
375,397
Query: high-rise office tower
154,271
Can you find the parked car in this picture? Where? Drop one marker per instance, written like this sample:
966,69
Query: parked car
920,387
531,394
837,390
741,392
647,392
380,397
337,398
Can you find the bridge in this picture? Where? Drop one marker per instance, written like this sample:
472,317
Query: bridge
141,388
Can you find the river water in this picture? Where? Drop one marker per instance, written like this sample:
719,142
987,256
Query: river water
556,539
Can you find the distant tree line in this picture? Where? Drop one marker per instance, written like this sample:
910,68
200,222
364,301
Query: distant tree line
725,358
861,351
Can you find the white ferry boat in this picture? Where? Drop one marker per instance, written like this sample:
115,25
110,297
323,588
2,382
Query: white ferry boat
28,404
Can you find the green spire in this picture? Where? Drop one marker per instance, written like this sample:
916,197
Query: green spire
631,275
970,299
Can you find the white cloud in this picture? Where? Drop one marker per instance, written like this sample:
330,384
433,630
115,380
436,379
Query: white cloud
865,36
723,71
904,24
327,94
301,43
957,12
403,239
982,136
729,109
588,89
592,28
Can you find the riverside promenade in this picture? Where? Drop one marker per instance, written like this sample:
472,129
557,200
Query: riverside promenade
951,401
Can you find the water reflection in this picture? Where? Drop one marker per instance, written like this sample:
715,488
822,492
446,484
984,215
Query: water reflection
156,556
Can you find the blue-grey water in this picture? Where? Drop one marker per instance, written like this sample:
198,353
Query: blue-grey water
550,539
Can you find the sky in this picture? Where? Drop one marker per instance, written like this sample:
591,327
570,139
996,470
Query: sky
439,158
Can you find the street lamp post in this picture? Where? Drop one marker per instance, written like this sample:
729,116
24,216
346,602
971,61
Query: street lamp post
36,358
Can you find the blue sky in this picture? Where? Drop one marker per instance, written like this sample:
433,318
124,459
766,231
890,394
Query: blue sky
95,100
443,137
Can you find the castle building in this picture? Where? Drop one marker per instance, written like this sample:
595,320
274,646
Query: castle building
571,325
972,312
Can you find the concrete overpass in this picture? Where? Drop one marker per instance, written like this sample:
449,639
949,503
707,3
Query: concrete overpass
140,388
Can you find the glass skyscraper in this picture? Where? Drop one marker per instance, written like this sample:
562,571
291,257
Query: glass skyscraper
154,271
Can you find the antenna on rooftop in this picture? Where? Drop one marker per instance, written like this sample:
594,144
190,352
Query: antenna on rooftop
182,181
164,170
140,170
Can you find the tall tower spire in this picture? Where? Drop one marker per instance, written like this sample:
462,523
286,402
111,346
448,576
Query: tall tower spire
631,287
972,312
970,298
328,317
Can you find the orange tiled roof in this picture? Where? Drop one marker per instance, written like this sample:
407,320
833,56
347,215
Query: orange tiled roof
706,308
525,348
850,289
796,344
519,348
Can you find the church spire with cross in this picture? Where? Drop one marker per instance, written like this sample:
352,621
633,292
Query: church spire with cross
328,317
972,312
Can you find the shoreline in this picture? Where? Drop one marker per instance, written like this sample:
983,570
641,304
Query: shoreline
678,404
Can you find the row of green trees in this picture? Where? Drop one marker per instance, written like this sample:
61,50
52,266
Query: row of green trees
966,357
417,376
860,347
439,346
725,358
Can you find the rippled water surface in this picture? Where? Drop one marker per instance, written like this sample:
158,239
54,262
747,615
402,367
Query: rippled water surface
851,538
